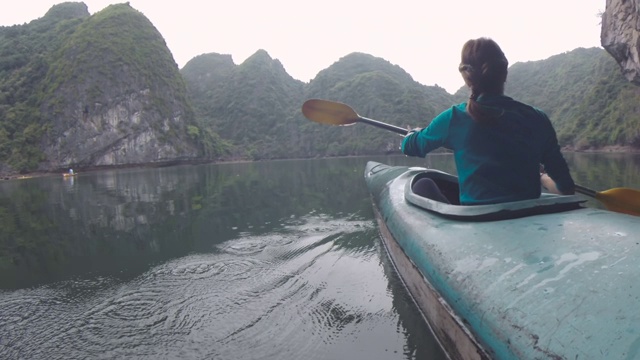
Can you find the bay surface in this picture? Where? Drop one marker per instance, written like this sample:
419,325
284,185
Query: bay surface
264,260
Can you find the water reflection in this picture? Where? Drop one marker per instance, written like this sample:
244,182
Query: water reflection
122,222
602,171
412,322
101,221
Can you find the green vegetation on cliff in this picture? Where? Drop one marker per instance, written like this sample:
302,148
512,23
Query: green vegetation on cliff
252,105
119,38
24,62
588,99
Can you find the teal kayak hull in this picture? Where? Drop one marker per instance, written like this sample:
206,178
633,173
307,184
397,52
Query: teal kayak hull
558,285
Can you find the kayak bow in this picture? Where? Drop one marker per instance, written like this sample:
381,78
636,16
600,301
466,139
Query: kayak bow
557,284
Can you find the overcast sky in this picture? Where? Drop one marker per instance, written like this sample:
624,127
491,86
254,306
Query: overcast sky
422,37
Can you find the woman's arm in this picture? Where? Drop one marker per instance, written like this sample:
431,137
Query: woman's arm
548,183
422,141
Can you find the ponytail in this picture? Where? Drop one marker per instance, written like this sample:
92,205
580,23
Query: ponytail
484,70
482,113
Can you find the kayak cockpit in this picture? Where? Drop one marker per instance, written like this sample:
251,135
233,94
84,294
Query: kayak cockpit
547,203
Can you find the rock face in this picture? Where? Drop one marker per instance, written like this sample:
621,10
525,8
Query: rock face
620,35
122,131
114,96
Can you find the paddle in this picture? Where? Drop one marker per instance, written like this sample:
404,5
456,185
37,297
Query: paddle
335,113
622,200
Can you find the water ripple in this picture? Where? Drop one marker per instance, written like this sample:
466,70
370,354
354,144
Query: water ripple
274,296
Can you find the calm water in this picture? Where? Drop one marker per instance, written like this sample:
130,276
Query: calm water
269,260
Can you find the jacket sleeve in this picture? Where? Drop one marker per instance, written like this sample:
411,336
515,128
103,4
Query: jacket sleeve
554,162
420,143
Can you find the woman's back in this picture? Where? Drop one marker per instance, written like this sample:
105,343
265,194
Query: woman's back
499,143
499,160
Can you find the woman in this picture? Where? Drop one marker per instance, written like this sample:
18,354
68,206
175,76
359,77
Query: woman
498,143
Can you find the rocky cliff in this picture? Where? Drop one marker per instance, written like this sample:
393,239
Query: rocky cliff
114,96
620,35
85,91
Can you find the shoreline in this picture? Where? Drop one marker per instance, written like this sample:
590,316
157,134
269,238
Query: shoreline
603,150
91,169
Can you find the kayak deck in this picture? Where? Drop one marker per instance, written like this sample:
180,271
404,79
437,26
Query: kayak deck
558,286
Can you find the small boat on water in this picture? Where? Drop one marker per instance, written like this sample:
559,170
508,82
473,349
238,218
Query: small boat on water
69,174
539,279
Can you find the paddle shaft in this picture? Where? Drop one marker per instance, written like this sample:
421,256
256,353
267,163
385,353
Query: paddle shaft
585,191
380,124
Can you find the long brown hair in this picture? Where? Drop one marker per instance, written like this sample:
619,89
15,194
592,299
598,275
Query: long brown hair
484,69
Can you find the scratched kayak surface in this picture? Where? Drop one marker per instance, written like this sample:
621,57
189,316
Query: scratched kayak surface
558,286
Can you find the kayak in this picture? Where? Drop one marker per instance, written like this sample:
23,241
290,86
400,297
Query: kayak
547,278
68,174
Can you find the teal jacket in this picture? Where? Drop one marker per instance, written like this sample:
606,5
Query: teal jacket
497,162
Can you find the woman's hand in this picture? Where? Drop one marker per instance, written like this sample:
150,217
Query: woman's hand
411,131
549,184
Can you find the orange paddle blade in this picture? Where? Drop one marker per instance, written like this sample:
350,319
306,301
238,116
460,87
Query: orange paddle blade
329,112
623,200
